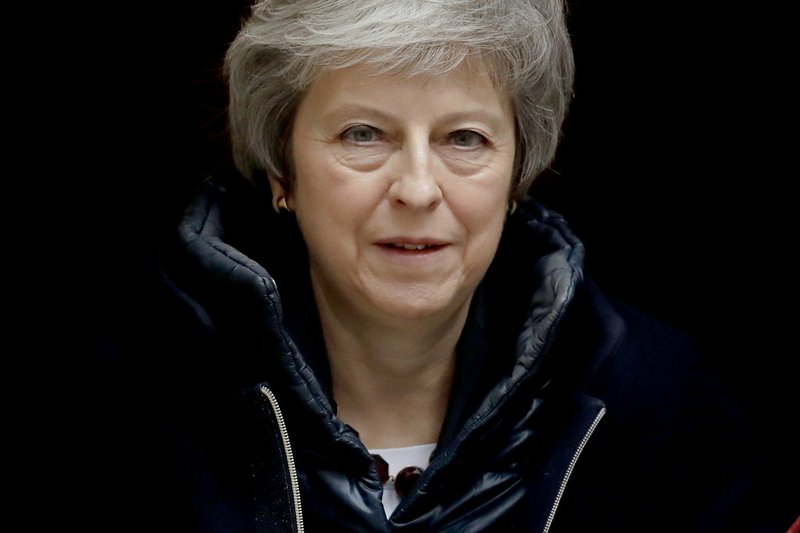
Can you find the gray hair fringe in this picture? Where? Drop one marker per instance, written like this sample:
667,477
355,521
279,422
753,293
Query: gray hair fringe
285,44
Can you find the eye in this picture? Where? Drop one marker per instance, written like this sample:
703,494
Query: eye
360,134
466,139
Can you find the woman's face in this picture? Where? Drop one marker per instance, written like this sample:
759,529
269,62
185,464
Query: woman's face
401,188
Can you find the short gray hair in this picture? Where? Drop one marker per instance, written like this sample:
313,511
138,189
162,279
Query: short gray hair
285,44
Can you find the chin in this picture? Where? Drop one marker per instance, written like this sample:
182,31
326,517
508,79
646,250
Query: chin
413,305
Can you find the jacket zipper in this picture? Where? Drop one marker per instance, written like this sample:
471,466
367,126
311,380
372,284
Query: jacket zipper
287,448
571,466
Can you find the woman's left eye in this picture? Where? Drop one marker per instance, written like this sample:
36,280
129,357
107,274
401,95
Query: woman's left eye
467,139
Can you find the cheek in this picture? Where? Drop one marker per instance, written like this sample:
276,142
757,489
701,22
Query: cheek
482,216
325,177
332,205
481,204
486,232
481,211
318,188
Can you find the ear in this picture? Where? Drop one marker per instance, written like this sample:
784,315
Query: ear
279,190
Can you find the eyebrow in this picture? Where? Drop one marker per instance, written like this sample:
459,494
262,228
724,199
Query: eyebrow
347,110
359,110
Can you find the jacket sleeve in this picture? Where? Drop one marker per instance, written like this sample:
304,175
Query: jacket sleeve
676,450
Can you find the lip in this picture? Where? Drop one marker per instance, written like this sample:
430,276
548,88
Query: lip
405,246
416,241
399,241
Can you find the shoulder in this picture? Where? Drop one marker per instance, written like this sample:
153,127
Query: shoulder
651,354
672,426
660,387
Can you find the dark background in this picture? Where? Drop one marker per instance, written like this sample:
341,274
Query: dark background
669,170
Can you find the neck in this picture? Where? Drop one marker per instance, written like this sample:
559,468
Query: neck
391,382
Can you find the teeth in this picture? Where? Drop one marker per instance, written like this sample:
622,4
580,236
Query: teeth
412,246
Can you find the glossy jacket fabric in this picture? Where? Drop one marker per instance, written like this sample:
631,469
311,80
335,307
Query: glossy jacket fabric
568,413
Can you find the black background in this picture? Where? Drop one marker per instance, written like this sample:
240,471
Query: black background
668,171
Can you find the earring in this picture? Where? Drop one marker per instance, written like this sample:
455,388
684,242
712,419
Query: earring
281,205
512,206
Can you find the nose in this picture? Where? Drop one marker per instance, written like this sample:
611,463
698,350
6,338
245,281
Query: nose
415,185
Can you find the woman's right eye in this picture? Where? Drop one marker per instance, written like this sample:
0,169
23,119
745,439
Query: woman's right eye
361,134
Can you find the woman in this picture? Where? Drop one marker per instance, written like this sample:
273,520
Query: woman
409,342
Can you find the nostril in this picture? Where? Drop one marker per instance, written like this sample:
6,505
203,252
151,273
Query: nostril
416,190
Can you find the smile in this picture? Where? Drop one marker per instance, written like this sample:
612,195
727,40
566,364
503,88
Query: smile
416,249
413,246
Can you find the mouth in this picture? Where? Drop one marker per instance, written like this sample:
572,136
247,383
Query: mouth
412,247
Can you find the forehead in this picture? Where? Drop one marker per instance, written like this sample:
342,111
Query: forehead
468,83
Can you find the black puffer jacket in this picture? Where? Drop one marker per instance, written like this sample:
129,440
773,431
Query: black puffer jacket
568,413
